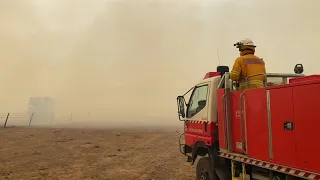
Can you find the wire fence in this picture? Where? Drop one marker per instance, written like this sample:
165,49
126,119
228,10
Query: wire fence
82,119
28,119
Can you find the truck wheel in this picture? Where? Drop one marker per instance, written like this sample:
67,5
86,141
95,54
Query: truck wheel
205,170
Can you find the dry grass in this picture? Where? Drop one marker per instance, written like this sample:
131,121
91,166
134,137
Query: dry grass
57,153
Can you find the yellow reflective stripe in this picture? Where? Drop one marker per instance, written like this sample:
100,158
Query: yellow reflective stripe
252,82
236,73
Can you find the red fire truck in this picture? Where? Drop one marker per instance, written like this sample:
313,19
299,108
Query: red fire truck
268,133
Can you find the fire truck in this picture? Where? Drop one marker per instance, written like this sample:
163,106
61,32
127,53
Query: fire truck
268,133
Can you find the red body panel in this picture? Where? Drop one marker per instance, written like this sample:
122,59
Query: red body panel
297,102
257,124
235,120
283,141
307,123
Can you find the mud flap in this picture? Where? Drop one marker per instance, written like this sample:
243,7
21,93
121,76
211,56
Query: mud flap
223,173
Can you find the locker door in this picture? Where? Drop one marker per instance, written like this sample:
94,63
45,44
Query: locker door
283,139
307,116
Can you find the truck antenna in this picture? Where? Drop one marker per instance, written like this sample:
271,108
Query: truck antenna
218,56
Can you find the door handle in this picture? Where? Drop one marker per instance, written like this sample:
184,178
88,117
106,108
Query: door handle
288,126
205,126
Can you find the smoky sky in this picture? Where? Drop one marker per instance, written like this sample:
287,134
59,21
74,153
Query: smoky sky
130,58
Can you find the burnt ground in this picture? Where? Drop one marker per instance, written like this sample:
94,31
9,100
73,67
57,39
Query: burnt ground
70,153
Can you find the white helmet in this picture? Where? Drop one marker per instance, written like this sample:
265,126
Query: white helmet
245,42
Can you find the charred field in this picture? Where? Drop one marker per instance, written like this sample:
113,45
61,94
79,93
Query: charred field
78,153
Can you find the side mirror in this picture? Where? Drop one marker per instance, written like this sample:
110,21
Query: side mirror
298,69
181,110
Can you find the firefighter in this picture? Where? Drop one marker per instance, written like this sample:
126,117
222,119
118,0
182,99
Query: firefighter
247,65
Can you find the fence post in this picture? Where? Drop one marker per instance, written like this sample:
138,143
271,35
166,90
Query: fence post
71,116
5,124
52,118
30,119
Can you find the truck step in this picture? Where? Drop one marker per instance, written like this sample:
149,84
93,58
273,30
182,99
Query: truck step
240,177
189,158
259,177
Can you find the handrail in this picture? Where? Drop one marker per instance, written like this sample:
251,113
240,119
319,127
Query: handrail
274,75
222,81
243,121
224,111
284,75
180,142
228,111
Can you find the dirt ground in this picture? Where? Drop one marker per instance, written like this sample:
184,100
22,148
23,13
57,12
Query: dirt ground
113,154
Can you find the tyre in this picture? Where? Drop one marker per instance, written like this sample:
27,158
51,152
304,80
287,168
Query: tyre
205,170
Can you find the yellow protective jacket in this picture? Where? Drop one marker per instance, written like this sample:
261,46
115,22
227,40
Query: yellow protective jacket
247,65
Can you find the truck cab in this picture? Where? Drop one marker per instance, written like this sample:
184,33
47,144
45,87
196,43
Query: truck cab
199,115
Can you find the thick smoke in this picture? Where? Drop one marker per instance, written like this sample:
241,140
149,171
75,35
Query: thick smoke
125,61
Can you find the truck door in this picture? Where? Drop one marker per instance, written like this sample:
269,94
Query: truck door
197,115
